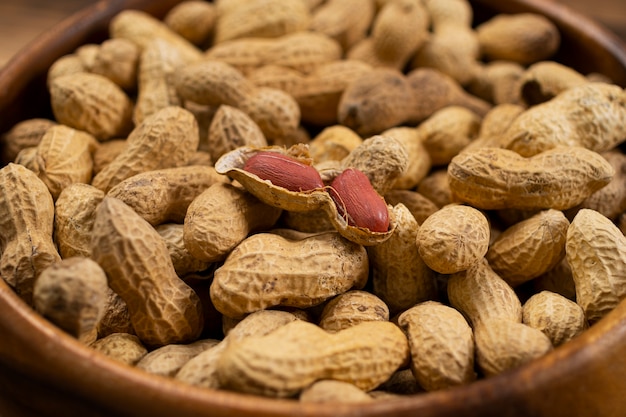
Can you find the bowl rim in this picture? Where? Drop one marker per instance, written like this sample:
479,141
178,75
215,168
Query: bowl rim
596,349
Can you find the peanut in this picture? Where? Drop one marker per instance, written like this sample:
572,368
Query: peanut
220,218
289,359
182,260
399,275
284,171
524,38
556,316
231,128
325,391
27,213
71,294
502,345
544,80
163,309
333,143
168,360
164,140
419,206
193,20
261,19
63,157
595,121
201,370
483,297
419,163
266,282
596,251
163,195
529,248
375,101
92,103
453,238
559,178
122,347
359,202
442,345
351,308
25,134
118,60
346,21
74,217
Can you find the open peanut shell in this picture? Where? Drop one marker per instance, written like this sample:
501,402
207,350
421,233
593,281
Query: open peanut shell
232,163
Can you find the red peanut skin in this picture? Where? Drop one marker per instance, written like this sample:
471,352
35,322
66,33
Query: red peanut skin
359,202
284,171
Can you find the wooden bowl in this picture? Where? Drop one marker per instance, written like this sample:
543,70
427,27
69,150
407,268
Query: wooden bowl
45,372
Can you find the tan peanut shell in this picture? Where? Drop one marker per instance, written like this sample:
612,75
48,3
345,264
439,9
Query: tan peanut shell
442,345
610,201
166,139
333,143
493,125
399,30
26,226
558,280
529,248
502,345
419,160
116,318
434,90
596,251
182,260
220,218
400,277
289,359
167,360
271,280
447,132
230,129
201,370
92,103
453,238
74,216
232,164
142,28
453,49
559,178
65,65
194,20
163,195
122,347
382,158
498,82
544,80
524,38
63,157
590,115
319,93
107,152
24,134
419,206
158,62
72,295
303,51
118,60
268,19
329,391
346,21
482,296
351,308
163,309
556,316
436,187
375,101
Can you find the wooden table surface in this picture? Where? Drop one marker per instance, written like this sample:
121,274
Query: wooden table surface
22,21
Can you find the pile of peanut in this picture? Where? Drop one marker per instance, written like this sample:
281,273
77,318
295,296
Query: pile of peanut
324,200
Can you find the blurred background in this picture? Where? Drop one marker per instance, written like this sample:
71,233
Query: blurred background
21,21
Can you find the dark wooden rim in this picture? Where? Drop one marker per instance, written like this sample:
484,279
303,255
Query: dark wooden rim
43,352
